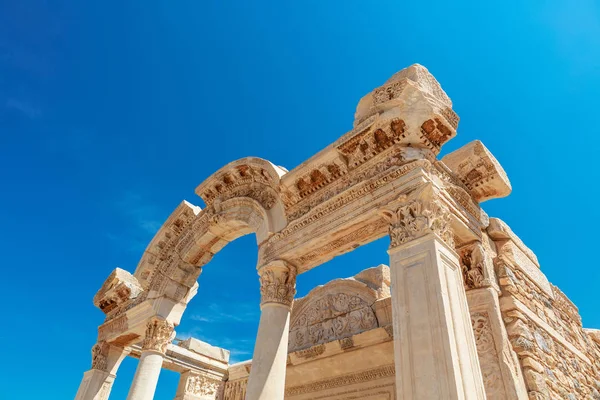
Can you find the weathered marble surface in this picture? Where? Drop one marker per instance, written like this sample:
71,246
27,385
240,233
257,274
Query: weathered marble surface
473,313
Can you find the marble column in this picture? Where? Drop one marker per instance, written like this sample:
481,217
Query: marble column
434,346
277,288
159,334
97,382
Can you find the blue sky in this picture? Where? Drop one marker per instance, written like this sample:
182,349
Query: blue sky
111,113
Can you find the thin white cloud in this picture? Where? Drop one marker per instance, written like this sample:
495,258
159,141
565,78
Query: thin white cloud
217,313
24,108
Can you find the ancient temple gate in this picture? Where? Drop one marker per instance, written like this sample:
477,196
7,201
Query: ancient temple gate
471,313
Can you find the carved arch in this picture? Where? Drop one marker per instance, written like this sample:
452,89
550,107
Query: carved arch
339,309
241,198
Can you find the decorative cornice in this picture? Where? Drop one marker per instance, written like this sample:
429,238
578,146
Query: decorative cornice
277,283
159,333
418,218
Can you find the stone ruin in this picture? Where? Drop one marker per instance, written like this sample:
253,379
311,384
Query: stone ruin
462,312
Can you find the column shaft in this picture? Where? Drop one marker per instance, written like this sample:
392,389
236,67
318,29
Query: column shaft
159,334
96,385
267,376
97,382
434,347
146,376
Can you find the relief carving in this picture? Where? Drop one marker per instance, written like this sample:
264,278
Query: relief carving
236,390
331,317
159,333
486,350
371,142
344,380
200,385
476,266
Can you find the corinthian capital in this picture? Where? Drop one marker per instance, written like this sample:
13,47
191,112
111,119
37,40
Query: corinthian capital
277,283
100,356
418,218
159,333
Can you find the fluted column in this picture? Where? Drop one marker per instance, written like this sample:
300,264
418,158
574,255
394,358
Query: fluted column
97,382
277,288
434,346
159,334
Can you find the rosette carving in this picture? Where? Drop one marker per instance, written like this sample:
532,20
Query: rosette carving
418,218
277,283
159,333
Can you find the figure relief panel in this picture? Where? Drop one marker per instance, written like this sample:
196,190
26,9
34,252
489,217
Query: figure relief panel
331,315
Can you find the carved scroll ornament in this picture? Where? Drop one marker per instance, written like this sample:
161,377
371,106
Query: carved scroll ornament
159,333
277,284
418,218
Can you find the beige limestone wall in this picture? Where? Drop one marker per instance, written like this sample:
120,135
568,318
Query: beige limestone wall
558,357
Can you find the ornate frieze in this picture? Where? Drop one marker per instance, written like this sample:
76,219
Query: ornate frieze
372,141
113,327
330,317
344,380
277,283
200,385
418,218
159,333
240,180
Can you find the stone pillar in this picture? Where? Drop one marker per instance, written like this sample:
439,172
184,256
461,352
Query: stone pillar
97,382
502,376
197,386
434,347
277,288
159,334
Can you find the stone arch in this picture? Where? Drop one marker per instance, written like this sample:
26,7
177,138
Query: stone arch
337,310
241,198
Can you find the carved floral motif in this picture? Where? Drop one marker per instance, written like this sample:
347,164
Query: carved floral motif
159,333
486,350
417,219
277,284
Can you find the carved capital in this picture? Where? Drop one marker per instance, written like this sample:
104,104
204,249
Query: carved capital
100,356
159,333
477,266
277,283
418,218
